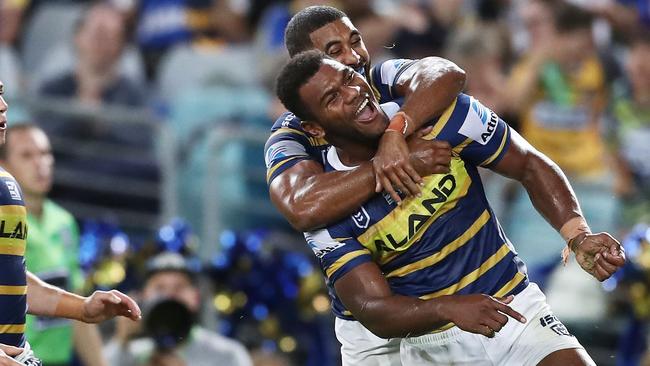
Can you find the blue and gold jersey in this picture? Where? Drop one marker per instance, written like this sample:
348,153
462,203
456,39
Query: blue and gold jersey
289,143
13,281
445,242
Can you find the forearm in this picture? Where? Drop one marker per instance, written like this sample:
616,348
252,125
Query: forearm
312,201
401,316
429,87
87,341
550,191
47,300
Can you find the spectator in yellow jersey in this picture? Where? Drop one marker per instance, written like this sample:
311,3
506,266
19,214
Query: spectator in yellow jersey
21,291
52,247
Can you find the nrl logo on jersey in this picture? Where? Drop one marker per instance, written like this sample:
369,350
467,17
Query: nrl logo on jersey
12,187
361,219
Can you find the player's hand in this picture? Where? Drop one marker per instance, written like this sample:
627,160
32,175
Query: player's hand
393,169
481,314
103,305
598,254
429,156
7,353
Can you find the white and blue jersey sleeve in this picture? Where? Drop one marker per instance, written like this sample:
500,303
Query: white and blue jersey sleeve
288,145
384,76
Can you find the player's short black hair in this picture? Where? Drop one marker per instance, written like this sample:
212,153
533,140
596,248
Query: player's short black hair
301,25
570,18
293,76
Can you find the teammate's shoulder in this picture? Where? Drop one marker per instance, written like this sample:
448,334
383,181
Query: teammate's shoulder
287,120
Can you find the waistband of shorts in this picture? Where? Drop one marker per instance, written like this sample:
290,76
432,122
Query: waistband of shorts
439,338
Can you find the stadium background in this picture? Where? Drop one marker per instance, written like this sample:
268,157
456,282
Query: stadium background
171,159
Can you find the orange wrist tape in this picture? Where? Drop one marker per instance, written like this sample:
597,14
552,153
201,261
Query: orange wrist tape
574,227
399,123
570,230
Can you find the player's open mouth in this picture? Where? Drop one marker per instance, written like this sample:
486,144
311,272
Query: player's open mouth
366,111
3,124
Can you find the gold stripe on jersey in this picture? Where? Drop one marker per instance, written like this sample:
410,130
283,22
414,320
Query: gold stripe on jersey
13,290
343,260
441,122
496,153
13,210
317,141
12,328
405,225
12,246
459,148
269,173
5,174
446,250
510,285
373,86
472,276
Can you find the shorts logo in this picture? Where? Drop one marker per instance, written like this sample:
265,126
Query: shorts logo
555,325
361,219
13,190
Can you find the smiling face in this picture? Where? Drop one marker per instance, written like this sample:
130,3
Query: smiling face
342,41
344,107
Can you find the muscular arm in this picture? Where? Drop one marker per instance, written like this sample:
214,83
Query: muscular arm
429,86
365,292
550,192
548,188
310,198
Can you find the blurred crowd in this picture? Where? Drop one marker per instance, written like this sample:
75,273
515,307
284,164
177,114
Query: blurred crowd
101,78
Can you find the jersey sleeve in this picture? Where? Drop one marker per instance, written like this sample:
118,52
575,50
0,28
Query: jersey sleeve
384,76
476,133
287,146
337,256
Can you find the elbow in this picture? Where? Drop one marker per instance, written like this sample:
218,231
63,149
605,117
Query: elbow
447,69
303,218
302,223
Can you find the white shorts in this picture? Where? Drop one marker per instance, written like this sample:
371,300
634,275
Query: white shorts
359,346
516,344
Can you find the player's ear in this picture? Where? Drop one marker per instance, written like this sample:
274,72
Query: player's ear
313,128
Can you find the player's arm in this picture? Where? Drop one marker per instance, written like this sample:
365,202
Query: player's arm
366,293
428,86
551,194
309,198
47,300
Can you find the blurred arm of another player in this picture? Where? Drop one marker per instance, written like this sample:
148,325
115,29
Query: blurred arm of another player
46,300
366,293
428,86
550,192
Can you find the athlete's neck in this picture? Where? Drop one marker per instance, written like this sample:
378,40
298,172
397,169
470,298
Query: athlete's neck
355,153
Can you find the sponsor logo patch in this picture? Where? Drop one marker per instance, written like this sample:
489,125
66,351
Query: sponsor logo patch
480,123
